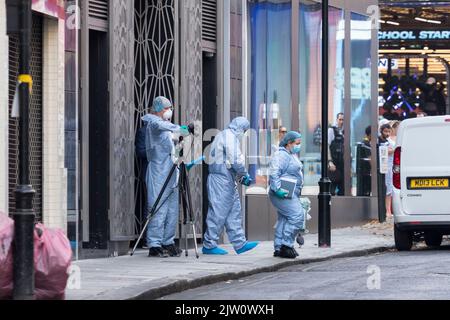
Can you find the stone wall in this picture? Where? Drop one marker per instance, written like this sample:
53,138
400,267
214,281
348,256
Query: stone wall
54,172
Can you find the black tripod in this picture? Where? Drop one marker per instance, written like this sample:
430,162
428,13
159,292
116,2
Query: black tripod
185,201
188,213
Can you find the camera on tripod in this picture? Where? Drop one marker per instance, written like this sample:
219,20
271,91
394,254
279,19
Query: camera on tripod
191,128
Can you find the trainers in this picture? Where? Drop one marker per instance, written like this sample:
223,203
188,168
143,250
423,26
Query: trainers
287,253
157,252
215,251
276,254
249,246
173,250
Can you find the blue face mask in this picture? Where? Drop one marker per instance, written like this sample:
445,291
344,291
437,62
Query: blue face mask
240,135
297,148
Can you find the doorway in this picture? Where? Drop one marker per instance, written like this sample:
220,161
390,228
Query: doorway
98,141
209,115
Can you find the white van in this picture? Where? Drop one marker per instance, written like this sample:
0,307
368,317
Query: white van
421,198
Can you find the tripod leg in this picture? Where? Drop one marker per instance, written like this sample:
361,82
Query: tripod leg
154,209
149,218
185,212
186,241
183,203
190,211
141,235
195,240
181,220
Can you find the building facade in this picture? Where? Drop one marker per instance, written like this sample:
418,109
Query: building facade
103,62
189,51
47,110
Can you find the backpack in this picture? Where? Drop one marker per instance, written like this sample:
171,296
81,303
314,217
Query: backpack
141,149
337,147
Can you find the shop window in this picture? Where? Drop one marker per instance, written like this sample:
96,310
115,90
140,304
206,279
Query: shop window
270,53
360,88
271,107
310,90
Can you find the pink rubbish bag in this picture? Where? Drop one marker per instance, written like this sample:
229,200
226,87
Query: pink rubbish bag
52,259
6,256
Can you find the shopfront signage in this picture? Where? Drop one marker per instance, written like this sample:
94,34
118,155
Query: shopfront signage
384,63
54,8
414,35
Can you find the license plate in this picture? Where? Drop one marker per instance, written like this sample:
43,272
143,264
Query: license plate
430,183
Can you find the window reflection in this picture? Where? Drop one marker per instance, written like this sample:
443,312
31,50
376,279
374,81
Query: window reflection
360,102
310,90
270,50
270,27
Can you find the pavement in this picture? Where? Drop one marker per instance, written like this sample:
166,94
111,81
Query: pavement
140,277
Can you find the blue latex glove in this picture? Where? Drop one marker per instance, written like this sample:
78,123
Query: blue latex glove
282,194
246,181
184,131
192,164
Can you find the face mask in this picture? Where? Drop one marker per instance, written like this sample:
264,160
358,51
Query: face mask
297,148
240,134
168,115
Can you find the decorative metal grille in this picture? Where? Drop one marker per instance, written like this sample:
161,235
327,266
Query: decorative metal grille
191,89
154,71
35,150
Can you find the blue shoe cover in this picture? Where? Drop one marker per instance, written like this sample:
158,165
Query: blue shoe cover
249,246
215,251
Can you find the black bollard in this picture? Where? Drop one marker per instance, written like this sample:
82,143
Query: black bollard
325,182
24,217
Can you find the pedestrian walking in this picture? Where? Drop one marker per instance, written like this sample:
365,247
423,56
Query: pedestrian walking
226,167
286,166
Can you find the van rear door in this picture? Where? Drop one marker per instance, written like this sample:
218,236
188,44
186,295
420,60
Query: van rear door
425,167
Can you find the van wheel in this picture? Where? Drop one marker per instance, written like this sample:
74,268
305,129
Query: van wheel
433,239
403,239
